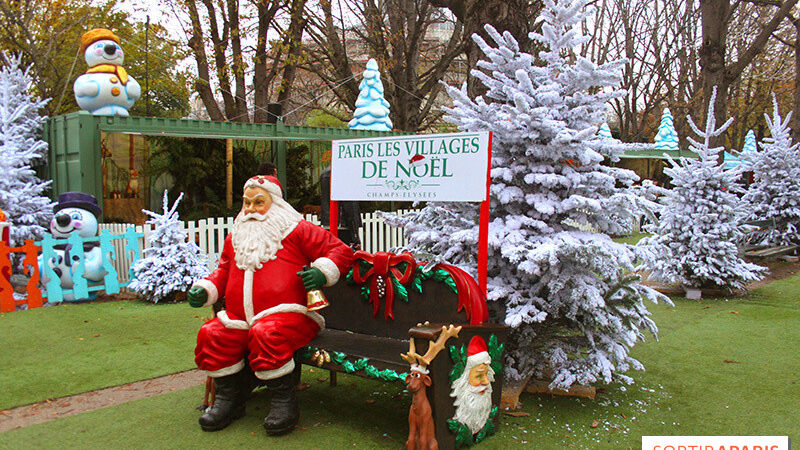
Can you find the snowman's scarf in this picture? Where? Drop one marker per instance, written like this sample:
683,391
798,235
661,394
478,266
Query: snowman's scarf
111,68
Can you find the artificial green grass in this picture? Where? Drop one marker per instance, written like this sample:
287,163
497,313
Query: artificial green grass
57,351
632,239
687,389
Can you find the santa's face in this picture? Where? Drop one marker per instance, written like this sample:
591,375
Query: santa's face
479,376
256,200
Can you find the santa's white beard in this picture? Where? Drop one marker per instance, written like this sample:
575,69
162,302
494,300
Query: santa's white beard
472,407
256,238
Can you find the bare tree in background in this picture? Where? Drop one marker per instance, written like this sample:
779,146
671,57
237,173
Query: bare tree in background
658,40
217,32
789,36
515,16
401,36
716,69
771,70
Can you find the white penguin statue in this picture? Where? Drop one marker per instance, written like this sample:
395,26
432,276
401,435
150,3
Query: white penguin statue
105,89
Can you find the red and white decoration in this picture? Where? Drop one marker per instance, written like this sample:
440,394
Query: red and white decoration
265,301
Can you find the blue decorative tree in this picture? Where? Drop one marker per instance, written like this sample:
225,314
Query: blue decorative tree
750,142
667,137
604,131
372,110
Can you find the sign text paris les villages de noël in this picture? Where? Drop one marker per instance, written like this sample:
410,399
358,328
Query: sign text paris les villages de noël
433,167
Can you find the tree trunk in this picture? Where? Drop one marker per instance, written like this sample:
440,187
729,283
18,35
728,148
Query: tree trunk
514,16
796,92
294,40
241,113
715,16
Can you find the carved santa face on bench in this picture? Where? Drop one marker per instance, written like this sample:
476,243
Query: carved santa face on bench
473,389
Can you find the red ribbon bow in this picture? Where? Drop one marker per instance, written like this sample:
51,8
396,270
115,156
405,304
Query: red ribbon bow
383,264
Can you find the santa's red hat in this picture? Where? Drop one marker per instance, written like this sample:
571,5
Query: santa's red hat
477,352
266,182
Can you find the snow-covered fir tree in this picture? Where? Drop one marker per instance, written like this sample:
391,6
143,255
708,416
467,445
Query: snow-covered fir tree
170,263
372,109
575,307
695,241
667,137
22,193
774,195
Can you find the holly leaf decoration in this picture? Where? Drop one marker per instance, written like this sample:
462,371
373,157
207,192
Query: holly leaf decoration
399,289
349,277
489,428
463,435
496,353
365,292
459,358
444,277
416,283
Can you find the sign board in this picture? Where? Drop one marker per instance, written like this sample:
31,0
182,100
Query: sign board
429,167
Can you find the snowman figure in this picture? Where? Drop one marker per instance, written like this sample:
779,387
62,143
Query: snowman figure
105,89
75,212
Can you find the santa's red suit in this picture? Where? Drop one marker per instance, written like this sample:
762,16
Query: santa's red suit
266,313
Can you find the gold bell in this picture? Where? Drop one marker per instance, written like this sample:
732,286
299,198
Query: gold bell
316,300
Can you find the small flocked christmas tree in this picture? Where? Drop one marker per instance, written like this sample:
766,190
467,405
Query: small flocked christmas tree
170,264
695,241
21,191
575,308
667,137
372,109
774,195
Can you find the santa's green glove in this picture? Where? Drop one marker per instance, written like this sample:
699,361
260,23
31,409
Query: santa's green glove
197,296
313,278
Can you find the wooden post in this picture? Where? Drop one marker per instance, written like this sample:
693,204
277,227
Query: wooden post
131,152
229,173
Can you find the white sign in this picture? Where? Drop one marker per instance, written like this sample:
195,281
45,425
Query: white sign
428,167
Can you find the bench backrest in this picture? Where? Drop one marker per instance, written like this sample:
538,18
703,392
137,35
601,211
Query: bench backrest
349,311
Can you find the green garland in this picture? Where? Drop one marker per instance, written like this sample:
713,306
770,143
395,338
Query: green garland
440,275
464,435
416,283
357,365
459,357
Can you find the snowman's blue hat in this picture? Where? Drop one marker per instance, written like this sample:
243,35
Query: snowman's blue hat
77,200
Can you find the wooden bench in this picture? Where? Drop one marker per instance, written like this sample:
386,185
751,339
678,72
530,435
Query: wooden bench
367,340
769,252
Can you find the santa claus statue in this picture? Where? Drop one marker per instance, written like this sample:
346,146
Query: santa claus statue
269,260
473,389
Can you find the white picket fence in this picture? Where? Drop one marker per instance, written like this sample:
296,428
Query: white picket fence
209,234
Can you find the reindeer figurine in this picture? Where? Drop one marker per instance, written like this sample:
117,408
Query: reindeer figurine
421,433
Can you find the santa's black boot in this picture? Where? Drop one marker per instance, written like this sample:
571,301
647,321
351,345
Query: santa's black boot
284,413
228,403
